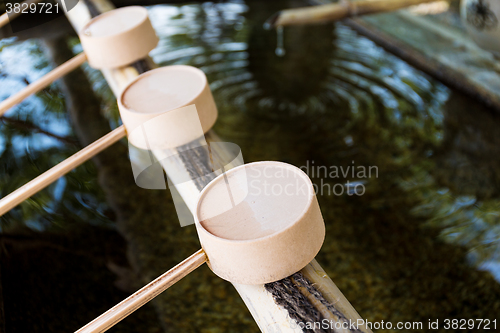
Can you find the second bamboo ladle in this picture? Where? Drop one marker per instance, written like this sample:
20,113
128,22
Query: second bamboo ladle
162,108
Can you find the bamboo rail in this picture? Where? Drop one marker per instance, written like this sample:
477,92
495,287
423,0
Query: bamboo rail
337,11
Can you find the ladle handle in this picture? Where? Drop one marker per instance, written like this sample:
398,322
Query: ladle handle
114,315
49,176
44,81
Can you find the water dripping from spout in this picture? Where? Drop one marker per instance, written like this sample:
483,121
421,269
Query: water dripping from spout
280,49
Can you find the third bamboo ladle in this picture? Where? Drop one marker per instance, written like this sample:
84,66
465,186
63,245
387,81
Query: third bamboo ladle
110,40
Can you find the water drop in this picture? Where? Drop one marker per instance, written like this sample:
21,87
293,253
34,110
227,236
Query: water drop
280,49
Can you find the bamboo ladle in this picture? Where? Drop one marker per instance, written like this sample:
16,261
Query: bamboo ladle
162,108
114,39
247,238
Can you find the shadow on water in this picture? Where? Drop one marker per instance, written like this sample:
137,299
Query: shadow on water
421,242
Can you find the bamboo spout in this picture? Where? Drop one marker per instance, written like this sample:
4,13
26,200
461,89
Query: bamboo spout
337,11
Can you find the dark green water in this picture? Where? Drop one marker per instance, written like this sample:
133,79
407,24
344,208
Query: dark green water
421,243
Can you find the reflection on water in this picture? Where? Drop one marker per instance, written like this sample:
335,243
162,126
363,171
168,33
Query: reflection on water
36,135
334,98
461,194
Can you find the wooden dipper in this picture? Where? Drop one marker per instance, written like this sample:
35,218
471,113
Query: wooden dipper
118,37
167,107
110,40
163,108
259,222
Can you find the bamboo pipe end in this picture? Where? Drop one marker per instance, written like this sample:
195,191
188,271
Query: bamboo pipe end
338,11
271,21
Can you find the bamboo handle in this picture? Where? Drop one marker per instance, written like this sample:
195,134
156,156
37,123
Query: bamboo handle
44,81
114,315
4,18
49,176
338,11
